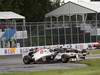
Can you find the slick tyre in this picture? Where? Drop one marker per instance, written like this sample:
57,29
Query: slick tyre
64,59
27,60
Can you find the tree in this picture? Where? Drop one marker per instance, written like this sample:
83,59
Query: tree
12,5
36,9
33,10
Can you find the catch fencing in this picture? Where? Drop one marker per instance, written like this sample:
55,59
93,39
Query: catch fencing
50,33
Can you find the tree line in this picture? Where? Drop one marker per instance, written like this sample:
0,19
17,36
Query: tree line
33,10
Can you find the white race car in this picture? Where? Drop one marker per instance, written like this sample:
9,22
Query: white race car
66,55
69,54
38,55
45,55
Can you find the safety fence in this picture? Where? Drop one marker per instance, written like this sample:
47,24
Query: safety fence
48,33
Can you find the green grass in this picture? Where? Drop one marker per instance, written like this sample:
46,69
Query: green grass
2,57
92,69
95,52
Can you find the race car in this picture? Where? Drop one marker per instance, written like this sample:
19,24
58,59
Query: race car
97,45
38,55
64,54
47,55
70,54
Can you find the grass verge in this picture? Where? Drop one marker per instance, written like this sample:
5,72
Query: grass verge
95,52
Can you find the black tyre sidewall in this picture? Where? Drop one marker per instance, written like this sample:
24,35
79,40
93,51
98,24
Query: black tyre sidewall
64,59
26,60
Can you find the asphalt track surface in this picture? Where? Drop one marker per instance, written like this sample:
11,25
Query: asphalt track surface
15,64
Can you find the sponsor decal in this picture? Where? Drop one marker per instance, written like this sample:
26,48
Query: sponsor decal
9,51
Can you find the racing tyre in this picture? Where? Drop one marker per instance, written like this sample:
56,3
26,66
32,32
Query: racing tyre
27,60
64,58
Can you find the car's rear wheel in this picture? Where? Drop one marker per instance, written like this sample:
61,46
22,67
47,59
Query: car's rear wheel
64,59
27,60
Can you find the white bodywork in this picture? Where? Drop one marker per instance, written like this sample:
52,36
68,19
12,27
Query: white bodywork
40,53
45,52
58,56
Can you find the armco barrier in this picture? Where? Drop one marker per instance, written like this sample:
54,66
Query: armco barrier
14,51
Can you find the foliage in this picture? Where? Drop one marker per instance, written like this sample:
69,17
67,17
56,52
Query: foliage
33,10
